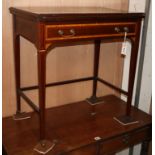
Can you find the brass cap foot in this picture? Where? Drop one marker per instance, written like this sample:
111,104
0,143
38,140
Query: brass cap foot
44,146
94,100
21,116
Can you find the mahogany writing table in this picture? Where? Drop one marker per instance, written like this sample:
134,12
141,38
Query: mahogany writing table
49,27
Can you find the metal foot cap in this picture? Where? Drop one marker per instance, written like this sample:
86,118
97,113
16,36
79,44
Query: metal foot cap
21,116
44,146
94,100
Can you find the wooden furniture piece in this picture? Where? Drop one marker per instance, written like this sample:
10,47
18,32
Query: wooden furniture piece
47,28
78,132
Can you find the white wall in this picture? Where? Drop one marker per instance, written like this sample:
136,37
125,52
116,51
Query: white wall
146,83
137,5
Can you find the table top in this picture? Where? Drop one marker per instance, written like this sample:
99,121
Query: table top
69,10
67,123
42,13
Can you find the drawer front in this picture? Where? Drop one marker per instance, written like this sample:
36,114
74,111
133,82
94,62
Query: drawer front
120,143
74,31
89,150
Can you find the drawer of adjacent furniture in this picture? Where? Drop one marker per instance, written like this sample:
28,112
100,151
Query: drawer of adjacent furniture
88,150
122,142
61,32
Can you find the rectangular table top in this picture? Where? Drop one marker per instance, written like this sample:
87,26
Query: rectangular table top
44,13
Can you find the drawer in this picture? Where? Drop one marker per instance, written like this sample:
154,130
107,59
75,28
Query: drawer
74,31
88,150
122,142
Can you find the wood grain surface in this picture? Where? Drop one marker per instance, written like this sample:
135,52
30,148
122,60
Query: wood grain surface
77,130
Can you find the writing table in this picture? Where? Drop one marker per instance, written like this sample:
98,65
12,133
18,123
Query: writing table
49,27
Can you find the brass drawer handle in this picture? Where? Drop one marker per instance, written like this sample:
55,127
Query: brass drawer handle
71,31
61,32
126,29
117,29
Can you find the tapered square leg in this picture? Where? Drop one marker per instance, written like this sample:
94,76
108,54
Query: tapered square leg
21,116
93,99
45,146
16,45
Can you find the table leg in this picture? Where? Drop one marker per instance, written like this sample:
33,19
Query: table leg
93,99
16,42
127,118
96,66
145,148
132,72
41,83
44,145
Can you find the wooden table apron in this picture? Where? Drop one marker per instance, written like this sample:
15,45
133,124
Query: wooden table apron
47,31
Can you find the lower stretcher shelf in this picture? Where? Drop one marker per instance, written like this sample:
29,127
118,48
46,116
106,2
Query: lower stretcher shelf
76,131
